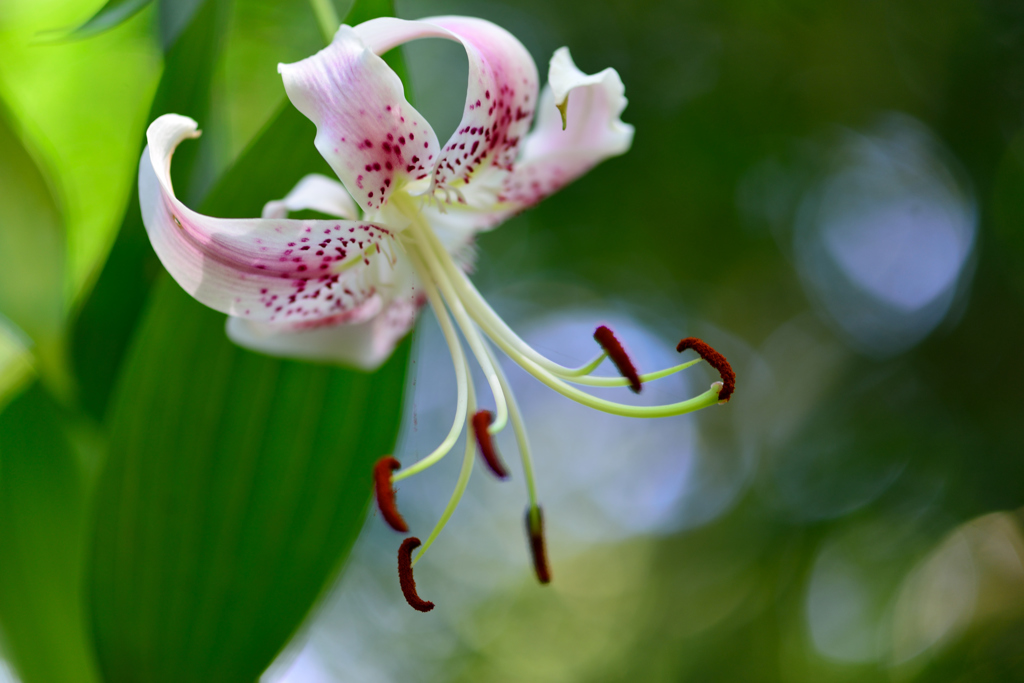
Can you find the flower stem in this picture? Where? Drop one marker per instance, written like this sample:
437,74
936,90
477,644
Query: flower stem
326,17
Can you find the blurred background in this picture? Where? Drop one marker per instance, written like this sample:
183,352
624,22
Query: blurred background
831,194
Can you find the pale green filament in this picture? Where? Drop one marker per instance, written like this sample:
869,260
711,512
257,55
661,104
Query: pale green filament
491,322
469,331
448,289
532,361
584,370
519,427
460,485
462,378
623,382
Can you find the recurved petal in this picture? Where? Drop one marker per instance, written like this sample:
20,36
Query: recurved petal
364,344
318,193
271,270
365,129
501,95
593,131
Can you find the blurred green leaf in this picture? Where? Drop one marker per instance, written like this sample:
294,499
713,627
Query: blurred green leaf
42,520
112,14
32,239
175,15
235,486
108,318
371,9
236,483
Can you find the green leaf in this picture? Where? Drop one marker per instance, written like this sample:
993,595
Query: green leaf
235,486
236,483
42,542
364,10
109,317
175,15
32,239
112,14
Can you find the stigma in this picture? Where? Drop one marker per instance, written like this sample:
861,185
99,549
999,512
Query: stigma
467,321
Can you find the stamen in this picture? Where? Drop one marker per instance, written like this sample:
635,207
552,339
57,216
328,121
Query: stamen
606,338
517,349
535,529
481,421
715,360
386,494
405,579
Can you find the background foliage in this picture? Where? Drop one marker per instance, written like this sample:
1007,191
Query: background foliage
831,193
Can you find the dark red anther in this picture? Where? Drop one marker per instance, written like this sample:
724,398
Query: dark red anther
405,576
715,360
535,530
481,421
386,494
606,338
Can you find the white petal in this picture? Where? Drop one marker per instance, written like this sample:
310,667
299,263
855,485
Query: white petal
365,129
317,193
272,270
365,345
553,157
501,95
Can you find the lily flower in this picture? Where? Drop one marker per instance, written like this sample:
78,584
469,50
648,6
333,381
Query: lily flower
408,209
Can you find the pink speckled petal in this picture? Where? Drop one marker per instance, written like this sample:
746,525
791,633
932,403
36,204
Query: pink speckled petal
365,129
271,270
365,345
553,157
317,193
500,100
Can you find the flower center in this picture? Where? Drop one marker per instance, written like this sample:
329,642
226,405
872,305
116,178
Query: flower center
459,307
